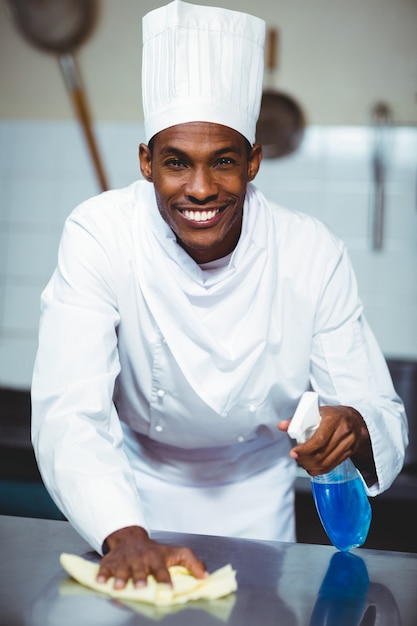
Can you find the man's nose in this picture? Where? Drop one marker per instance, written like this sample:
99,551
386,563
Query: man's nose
201,185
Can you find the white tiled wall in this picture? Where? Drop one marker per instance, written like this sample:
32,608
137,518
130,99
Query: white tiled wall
45,172
331,178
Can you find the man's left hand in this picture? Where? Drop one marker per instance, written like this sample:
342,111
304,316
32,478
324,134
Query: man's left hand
342,433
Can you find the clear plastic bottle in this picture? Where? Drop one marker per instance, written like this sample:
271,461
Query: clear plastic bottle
339,495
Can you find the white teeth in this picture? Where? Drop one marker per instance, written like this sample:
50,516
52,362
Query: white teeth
200,216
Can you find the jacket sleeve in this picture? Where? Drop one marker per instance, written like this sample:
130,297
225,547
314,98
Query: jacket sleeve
76,432
349,368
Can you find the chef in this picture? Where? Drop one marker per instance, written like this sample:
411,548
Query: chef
186,317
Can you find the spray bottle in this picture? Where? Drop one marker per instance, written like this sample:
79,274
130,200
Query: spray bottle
340,496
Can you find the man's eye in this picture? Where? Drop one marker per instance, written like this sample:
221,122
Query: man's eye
225,161
175,163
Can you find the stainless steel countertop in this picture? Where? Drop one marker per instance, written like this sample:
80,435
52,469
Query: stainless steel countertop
278,583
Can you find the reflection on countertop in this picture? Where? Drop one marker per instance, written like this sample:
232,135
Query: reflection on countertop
278,583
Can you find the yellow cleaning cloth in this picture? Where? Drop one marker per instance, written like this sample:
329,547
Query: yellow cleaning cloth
184,586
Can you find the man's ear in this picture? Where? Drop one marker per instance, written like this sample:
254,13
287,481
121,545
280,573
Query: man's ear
145,162
254,161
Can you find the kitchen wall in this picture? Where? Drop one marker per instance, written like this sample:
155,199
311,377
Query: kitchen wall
44,173
336,56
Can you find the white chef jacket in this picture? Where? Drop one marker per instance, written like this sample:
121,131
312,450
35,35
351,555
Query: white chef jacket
158,384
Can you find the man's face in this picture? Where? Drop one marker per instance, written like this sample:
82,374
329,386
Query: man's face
200,172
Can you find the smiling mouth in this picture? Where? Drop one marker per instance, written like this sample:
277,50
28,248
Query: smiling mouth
200,216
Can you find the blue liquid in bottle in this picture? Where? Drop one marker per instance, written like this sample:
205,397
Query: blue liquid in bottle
343,506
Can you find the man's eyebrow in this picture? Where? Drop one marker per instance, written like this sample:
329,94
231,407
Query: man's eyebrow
225,150
181,153
173,150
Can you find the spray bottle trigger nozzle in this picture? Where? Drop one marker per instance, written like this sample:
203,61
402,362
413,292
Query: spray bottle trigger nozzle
306,417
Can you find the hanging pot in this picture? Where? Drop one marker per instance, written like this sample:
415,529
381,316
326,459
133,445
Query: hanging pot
281,124
60,27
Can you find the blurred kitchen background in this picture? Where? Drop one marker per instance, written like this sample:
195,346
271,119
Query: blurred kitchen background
350,65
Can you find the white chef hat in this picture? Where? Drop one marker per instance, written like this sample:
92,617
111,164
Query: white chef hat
202,64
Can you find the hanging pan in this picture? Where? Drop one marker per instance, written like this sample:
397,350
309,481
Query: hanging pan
281,123
60,27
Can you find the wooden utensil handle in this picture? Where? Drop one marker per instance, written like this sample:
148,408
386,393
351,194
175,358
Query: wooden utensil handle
272,49
76,91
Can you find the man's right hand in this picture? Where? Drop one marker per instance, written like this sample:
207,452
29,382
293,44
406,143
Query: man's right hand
132,554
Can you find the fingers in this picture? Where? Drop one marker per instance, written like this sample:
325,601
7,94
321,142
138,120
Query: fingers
120,573
138,574
137,565
186,558
321,453
336,439
283,425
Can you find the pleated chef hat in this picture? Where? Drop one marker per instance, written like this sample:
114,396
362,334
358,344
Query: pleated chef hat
202,64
